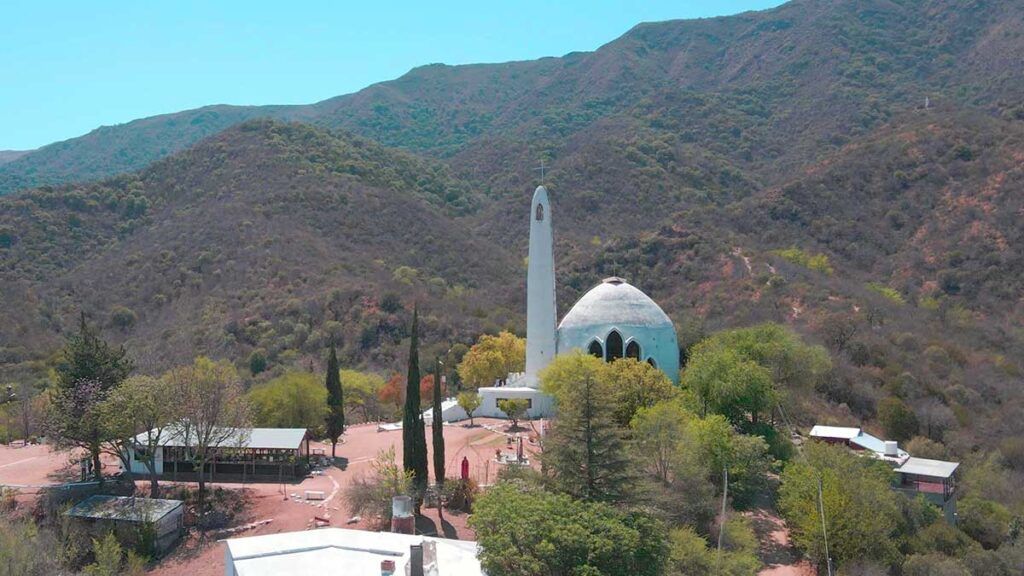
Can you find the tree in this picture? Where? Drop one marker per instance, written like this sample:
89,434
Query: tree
438,427
214,411
584,451
637,385
897,419
514,408
747,371
861,512
137,412
689,555
76,418
492,359
292,400
414,441
678,481
392,391
726,383
362,393
524,531
335,421
469,401
986,521
88,370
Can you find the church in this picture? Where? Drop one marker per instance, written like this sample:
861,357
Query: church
612,320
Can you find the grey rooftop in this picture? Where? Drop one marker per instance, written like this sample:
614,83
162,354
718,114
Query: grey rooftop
255,438
926,467
123,508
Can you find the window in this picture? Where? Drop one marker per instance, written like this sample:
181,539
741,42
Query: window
652,362
595,349
633,350
614,346
540,212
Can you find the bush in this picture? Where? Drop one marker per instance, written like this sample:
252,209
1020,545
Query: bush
371,496
460,494
122,318
986,521
257,361
933,565
897,419
108,554
25,550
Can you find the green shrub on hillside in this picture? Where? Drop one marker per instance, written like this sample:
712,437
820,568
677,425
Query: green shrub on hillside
800,257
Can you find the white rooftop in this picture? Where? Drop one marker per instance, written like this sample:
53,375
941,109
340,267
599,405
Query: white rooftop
926,467
341,552
835,432
269,438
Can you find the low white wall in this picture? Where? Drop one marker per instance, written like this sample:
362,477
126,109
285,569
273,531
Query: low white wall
542,405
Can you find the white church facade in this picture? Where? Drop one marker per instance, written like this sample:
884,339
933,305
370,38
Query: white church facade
612,320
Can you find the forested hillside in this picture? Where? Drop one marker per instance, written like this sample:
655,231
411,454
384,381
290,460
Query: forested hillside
779,165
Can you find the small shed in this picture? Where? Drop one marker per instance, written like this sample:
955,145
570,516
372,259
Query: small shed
131,517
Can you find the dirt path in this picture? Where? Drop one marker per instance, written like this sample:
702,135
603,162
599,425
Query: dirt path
775,549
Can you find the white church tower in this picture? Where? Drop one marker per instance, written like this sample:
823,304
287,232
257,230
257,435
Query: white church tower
540,290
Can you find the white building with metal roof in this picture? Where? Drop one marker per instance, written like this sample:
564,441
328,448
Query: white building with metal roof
343,552
239,451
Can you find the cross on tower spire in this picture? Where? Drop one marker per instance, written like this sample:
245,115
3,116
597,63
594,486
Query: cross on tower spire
541,169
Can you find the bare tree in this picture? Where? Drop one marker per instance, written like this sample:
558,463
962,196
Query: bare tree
213,411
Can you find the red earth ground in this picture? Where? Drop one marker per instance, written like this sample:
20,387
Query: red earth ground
285,505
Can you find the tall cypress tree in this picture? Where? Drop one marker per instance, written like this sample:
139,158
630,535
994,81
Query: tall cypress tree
414,438
438,427
335,401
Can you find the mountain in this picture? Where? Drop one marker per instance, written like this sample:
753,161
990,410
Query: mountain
771,89
11,155
772,166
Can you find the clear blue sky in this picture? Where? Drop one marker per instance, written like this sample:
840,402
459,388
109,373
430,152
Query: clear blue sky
70,66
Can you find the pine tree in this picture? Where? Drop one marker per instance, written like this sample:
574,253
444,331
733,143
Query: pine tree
335,401
584,451
438,427
414,439
89,370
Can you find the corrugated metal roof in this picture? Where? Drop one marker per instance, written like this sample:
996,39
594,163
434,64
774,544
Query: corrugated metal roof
123,508
834,432
926,467
269,438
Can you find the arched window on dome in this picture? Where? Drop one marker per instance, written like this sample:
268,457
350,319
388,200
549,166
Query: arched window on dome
652,362
595,349
540,212
633,350
613,346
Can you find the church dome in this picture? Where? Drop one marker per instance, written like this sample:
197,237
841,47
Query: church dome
615,319
615,301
